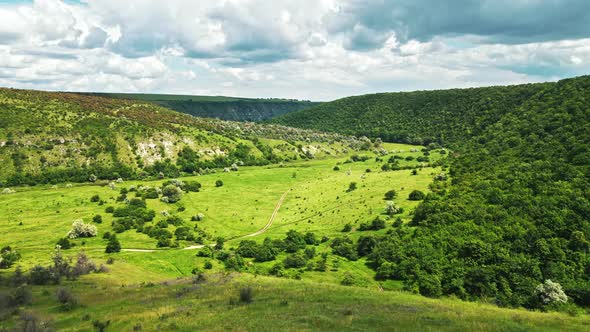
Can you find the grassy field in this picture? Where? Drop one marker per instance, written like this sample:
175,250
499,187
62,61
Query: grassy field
277,304
317,201
150,290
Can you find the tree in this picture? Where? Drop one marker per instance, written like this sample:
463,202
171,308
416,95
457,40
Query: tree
219,243
113,245
8,257
550,292
352,186
97,219
416,195
390,195
172,192
81,229
295,260
391,209
219,183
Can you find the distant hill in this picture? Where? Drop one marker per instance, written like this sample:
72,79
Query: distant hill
420,117
219,107
50,137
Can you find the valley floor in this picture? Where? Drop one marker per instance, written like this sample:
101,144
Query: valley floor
149,288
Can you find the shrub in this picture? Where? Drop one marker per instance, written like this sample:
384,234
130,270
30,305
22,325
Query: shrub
66,298
97,219
219,183
151,193
345,248
193,186
198,217
8,257
310,238
95,198
80,229
20,296
219,243
109,209
264,253
246,295
416,195
551,292
208,265
348,279
351,187
347,228
391,209
295,260
247,248
172,193
113,245
336,168
65,243
375,225
390,195
102,326
163,242
40,275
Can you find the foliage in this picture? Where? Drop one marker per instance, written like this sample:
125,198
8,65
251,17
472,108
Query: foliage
416,195
514,213
8,257
113,245
81,229
550,292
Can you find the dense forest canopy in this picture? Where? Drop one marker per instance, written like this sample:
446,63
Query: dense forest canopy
517,210
421,117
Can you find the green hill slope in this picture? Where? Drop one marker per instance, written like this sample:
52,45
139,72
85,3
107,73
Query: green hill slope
219,107
277,304
518,209
55,137
420,117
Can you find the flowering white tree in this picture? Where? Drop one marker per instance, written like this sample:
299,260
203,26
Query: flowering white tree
81,229
551,292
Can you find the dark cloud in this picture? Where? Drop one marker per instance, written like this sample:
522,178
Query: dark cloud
498,21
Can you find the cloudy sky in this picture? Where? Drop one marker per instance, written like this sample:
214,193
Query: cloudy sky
306,49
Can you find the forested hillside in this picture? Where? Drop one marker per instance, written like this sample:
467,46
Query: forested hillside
50,137
421,117
218,107
516,211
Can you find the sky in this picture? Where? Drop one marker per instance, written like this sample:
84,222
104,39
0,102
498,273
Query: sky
306,49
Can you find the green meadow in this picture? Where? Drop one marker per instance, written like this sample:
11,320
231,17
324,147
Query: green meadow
149,288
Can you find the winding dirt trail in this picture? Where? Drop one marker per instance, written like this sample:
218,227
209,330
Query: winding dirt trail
258,232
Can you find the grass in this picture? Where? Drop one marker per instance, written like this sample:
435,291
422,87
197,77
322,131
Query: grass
144,289
279,304
317,201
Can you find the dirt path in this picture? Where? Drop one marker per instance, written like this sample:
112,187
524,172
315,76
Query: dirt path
258,232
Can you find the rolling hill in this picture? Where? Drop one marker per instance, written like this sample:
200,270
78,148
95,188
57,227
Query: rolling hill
517,209
422,117
219,107
48,137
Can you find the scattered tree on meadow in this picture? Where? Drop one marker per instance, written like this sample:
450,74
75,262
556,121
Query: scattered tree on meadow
81,229
113,245
416,195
